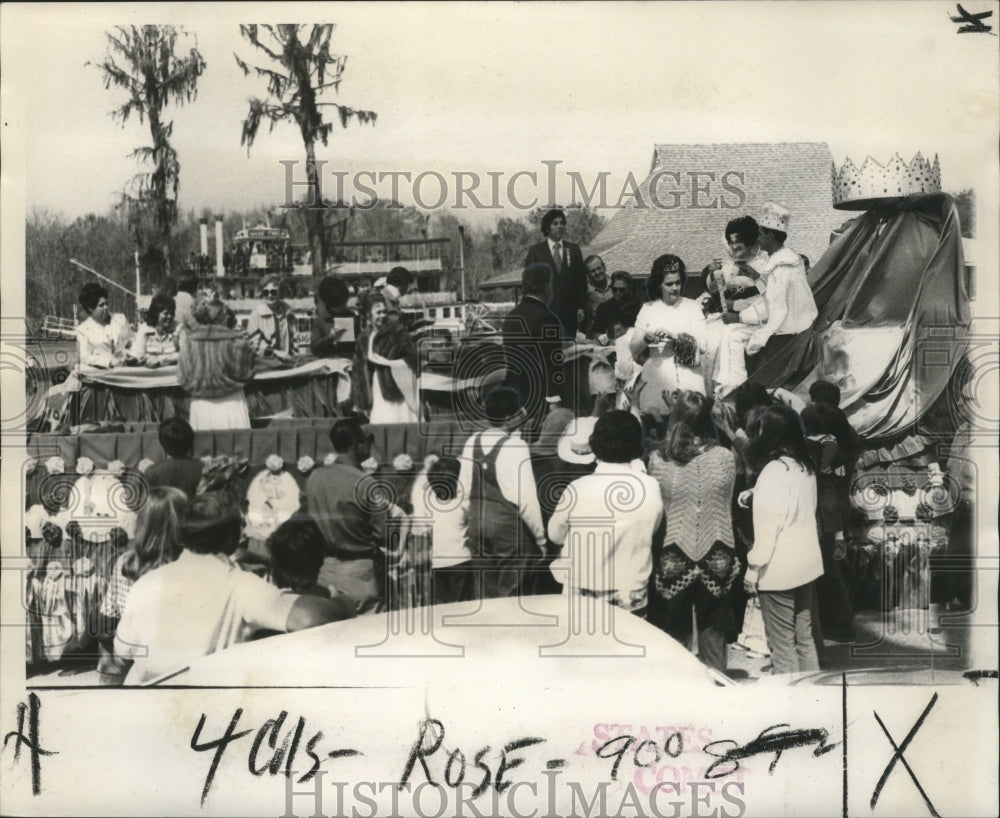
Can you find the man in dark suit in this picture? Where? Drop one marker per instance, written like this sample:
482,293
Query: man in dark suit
533,344
564,260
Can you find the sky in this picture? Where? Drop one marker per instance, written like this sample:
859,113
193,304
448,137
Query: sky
503,87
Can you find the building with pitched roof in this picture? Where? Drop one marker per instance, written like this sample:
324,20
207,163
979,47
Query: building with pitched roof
692,191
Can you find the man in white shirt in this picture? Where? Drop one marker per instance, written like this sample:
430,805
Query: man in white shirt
772,320
618,507
791,308
204,602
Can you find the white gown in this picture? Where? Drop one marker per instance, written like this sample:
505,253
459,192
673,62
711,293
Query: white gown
662,372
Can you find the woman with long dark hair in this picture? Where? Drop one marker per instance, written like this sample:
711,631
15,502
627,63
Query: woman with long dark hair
697,564
785,560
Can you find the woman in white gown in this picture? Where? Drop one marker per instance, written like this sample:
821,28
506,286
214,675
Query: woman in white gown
670,335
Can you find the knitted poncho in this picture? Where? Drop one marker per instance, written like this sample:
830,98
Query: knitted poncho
696,500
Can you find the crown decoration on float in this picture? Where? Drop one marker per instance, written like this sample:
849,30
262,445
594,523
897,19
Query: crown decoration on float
872,184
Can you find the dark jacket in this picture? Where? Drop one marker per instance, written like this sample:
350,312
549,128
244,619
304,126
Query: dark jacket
182,473
611,312
393,341
532,343
569,287
321,344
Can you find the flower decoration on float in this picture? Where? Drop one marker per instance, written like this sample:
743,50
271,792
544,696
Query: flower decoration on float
330,459
370,466
30,465
84,466
430,460
890,514
144,464
305,464
116,467
274,463
402,462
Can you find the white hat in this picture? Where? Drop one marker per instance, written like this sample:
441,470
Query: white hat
774,217
380,282
574,445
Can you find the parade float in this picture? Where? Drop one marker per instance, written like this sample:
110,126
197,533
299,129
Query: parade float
892,332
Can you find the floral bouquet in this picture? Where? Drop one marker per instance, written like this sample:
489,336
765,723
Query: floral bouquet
685,349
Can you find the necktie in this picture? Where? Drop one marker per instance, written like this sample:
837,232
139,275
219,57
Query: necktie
557,254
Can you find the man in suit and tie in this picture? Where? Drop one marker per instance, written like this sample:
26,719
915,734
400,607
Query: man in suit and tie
568,298
533,343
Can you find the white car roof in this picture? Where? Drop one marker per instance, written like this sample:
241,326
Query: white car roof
512,641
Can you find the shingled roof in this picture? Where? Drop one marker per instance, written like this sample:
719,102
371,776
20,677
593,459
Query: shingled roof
701,187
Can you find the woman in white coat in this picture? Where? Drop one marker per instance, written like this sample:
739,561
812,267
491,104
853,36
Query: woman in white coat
785,559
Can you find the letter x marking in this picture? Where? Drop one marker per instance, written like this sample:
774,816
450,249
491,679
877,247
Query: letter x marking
898,756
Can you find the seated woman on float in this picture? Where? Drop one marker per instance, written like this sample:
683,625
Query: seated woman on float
735,285
102,339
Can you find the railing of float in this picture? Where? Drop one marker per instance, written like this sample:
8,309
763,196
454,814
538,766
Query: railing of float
55,326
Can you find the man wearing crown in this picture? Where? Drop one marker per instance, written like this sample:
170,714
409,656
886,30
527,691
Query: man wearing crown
790,305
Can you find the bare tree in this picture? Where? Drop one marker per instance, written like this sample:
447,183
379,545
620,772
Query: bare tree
142,61
304,68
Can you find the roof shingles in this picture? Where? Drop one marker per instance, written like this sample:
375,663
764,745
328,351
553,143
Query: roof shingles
699,188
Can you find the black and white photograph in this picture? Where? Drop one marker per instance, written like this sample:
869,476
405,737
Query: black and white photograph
502,409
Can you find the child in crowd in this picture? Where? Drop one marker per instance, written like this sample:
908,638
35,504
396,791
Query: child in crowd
180,469
818,421
849,443
296,548
828,394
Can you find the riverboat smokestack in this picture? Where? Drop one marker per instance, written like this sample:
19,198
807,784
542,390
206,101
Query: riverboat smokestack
220,270
203,226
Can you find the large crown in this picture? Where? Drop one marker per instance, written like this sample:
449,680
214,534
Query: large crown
873,184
